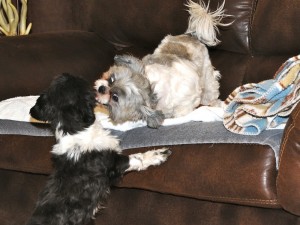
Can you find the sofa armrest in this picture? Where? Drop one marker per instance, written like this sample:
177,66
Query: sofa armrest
288,179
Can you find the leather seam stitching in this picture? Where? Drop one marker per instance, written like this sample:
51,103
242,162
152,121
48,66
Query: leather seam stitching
270,202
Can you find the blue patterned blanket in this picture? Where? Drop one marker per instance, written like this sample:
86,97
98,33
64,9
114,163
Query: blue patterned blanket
252,108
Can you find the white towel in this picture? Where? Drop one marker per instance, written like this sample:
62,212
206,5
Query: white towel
18,109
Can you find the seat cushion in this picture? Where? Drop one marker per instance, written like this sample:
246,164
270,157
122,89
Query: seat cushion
208,162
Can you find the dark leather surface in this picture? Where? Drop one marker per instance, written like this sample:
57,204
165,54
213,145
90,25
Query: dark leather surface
243,174
149,208
235,38
29,63
141,24
249,69
288,179
26,153
55,15
274,28
263,36
19,193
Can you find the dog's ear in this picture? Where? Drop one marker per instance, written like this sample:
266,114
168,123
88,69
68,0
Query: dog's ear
131,62
154,118
75,118
42,110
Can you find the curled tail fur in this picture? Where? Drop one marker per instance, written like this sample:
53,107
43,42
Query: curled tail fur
203,23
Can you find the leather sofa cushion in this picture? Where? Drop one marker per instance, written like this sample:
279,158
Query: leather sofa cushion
242,173
134,206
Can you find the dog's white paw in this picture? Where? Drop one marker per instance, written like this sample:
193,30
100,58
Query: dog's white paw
155,157
141,161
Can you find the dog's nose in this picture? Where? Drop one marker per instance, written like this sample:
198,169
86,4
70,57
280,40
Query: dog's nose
102,89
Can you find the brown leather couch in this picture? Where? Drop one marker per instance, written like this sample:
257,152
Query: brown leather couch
201,184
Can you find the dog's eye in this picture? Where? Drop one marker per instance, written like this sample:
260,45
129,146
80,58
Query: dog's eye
115,97
111,79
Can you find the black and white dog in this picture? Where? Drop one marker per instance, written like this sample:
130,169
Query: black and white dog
86,158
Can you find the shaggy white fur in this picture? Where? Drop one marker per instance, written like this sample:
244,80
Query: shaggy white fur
173,81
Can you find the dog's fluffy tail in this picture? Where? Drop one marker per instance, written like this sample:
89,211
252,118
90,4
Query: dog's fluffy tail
203,23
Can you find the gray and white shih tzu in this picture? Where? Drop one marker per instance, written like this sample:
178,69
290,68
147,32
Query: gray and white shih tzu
173,81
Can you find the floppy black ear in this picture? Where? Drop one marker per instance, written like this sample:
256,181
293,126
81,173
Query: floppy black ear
131,62
42,110
154,118
75,118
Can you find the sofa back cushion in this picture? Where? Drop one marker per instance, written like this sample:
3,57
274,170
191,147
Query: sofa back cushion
264,34
275,27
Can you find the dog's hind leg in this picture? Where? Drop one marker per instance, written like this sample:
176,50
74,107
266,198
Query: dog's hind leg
141,161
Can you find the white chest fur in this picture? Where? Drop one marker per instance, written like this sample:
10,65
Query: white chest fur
93,138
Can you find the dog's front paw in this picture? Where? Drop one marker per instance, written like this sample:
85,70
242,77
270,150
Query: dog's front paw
156,157
141,161
156,119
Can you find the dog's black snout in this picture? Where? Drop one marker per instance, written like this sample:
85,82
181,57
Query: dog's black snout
102,89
